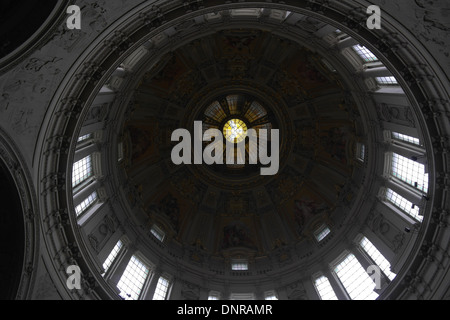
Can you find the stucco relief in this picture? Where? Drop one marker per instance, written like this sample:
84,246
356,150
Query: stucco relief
24,95
434,25
428,20
25,92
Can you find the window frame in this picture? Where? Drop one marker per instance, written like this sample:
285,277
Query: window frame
239,262
361,152
270,294
167,278
370,258
214,294
145,283
85,138
363,55
320,230
156,231
242,296
86,178
402,212
386,81
115,259
314,280
341,260
405,139
390,172
91,199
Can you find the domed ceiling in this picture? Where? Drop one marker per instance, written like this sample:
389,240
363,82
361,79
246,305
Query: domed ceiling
262,81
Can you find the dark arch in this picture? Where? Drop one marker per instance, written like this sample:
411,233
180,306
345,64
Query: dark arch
19,20
12,236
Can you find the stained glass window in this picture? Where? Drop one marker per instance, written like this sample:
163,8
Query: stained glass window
215,111
235,130
233,104
255,111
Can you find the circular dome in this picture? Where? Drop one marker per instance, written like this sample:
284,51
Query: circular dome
231,229
229,207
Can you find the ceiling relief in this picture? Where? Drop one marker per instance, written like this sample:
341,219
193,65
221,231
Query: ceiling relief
231,78
332,142
144,140
238,234
305,208
237,50
170,209
299,78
